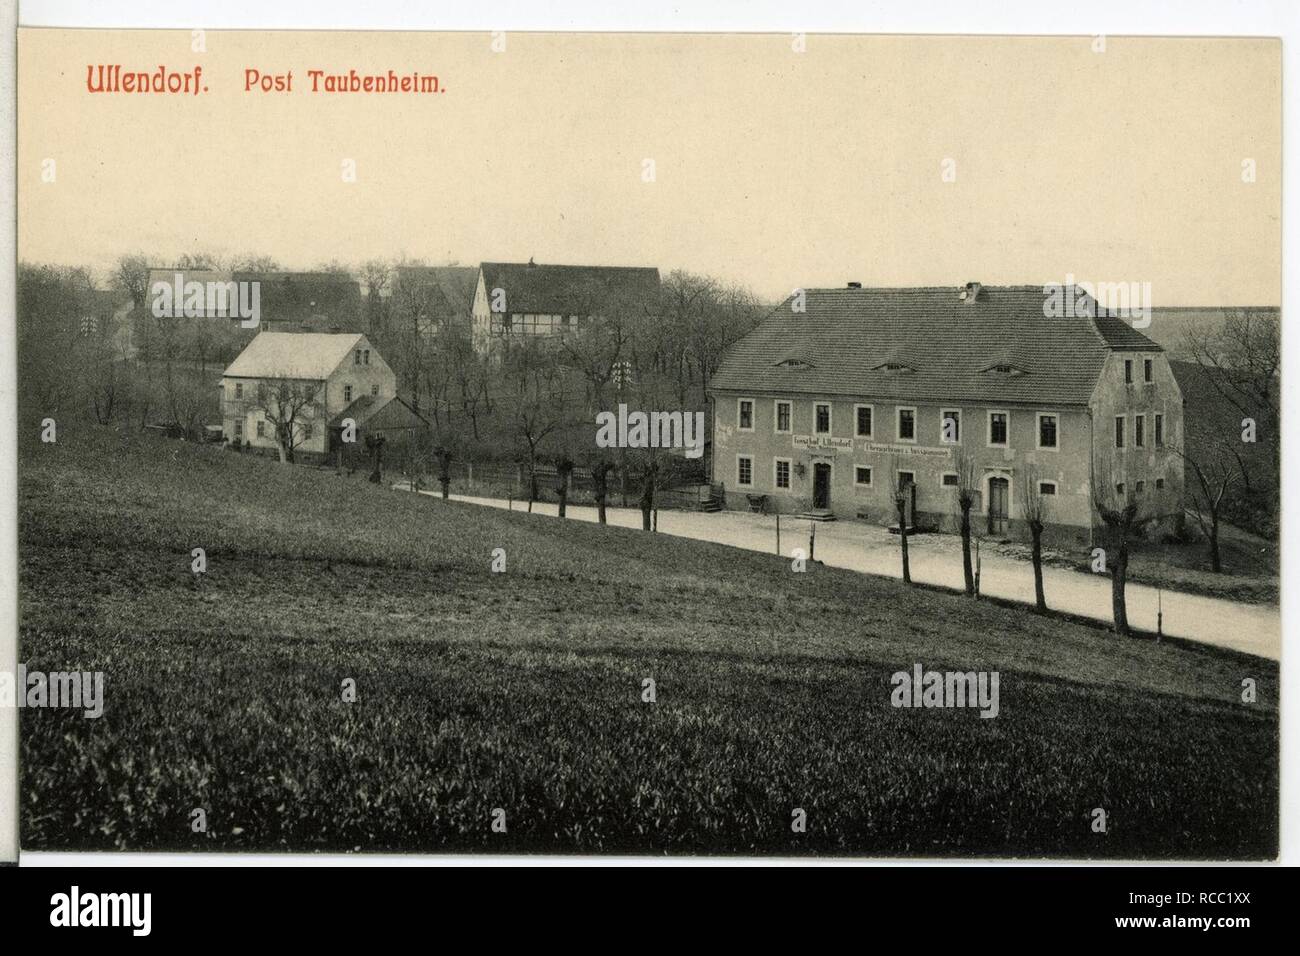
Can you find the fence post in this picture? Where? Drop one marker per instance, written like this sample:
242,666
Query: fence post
812,539
470,466
778,535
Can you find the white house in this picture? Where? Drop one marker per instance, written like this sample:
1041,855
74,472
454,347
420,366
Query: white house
331,371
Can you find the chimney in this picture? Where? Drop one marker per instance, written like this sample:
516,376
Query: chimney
971,291
855,285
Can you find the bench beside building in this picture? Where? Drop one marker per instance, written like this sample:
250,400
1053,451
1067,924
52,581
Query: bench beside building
841,396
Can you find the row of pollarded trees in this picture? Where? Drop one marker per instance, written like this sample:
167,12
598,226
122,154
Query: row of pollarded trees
1117,504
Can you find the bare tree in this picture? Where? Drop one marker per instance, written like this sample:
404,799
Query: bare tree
375,446
649,467
443,456
376,276
290,406
131,277
1216,468
967,492
600,470
538,403
1242,357
1115,499
1034,506
188,399
563,472
902,497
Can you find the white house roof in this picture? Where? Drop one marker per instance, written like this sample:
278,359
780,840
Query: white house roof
300,355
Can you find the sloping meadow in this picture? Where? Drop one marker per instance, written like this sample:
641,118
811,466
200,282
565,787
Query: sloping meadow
349,673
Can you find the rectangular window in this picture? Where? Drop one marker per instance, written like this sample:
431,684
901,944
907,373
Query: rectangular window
239,390
862,475
1119,489
783,418
1046,431
949,479
823,419
261,428
1160,430
1160,482
1147,371
347,393
1128,371
1119,431
1047,487
906,479
907,424
358,358
783,473
366,357
863,425
998,429
1140,487
374,389
306,432
239,429
950,426
745,421
744,470
1139,431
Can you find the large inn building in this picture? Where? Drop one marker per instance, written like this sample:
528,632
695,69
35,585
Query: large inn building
841,396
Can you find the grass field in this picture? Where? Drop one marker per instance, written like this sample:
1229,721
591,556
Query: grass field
522,690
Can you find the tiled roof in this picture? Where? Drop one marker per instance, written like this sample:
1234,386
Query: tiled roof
952,346
379,414
293,355
567,290
297,298
451,288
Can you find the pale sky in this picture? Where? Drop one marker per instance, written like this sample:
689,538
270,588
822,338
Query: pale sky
772,168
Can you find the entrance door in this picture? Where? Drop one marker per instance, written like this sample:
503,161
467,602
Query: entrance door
998,505
821,485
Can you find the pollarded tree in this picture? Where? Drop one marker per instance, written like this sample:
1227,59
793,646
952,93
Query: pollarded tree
600,470
1033,503
968,490
902,496
563,472
1117,503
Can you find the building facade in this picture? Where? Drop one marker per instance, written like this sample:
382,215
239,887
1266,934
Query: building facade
842,398
520,302
336,371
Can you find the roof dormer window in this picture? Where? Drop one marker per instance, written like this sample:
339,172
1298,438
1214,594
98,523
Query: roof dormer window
794,363
1004,368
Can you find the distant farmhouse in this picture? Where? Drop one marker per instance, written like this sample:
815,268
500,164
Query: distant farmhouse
521,301
344,376
307,301
829,410
432,297
289,301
